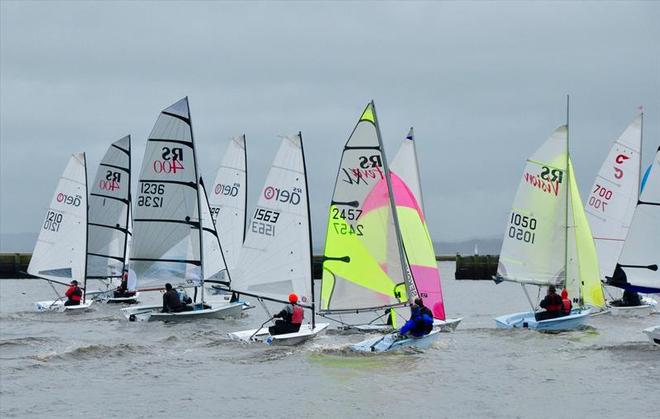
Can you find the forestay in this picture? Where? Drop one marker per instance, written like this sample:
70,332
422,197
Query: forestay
640,257
59,253
363,265
228,200
213,260
613,197
276,256
533,250
412,222
109,213
166,241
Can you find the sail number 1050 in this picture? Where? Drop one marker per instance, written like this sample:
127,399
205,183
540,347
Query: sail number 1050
522,227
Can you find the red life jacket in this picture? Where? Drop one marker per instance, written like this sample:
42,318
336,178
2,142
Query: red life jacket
74,293
298,315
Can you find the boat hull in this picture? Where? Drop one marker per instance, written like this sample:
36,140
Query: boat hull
642,310
58,306
654,334
288,339
153,313
447,325
392,342
526,320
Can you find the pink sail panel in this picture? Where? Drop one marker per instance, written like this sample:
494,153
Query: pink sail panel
416,239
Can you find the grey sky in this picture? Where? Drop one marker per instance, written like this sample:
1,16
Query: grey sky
482,83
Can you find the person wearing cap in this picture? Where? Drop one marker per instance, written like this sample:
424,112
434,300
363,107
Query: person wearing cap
552,304
421,320
292,316
73,294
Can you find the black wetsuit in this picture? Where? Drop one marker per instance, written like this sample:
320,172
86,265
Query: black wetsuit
172,303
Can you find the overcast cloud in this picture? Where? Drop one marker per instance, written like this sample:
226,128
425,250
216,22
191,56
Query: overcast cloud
483,84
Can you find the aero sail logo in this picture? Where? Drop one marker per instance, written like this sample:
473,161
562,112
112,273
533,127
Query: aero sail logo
282,195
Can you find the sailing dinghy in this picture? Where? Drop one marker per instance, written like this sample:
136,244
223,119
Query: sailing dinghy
406,185
637,267
611,205
276,258
548,240
364,265
174,237
59,255
109,226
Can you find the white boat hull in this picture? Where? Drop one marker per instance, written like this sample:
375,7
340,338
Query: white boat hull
58,305
393,341
526,320
288,339
654,334
647,307
153,313
447,325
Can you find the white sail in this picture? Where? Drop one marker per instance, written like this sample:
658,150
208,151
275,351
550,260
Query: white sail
276,256
640,257
166,236
533,250
109,213
213,263
60,251
613,197
228,197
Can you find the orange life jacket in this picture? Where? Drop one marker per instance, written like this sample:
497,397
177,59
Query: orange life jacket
298,315
567,305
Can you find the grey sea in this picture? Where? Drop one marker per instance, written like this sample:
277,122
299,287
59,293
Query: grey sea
98,364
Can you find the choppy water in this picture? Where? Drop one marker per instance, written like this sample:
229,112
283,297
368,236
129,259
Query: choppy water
99,365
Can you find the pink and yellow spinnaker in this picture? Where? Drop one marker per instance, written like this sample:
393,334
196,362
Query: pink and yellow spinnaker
412,223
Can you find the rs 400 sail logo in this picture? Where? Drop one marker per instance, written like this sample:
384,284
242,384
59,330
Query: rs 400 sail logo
171,161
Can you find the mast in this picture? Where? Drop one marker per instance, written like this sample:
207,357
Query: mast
568,183
641,147
246,189
199,205
411,135
86,231
402,255
309,229
128,211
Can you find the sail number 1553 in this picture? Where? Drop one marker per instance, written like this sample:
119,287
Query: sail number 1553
522,227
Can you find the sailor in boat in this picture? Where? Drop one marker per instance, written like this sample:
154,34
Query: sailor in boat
566,302
172,301
421,320
73,294
553,305
122,290
292,317
630,298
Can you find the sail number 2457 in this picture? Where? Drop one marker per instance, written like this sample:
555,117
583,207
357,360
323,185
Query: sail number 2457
522,227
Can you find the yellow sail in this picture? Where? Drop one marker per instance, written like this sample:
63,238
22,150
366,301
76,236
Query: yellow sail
590,287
